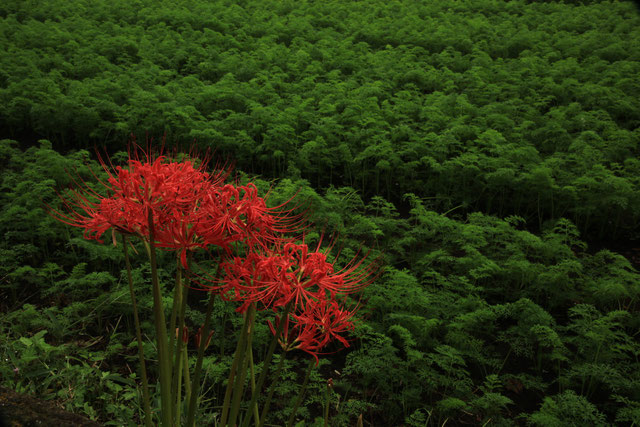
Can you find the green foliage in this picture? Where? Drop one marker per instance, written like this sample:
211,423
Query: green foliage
78,381
486,151
470,320
567,408
521,108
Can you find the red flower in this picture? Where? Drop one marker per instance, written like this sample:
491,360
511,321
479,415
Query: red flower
330,320
190,208
289,275
289,272
315,327
170,190
238,213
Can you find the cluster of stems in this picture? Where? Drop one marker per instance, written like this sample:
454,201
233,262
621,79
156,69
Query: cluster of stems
173,362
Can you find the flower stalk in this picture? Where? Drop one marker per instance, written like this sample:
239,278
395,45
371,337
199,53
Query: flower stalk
164,359
181,350
235,382
177,298
265,366
238,389
327,401
195,383
143,369
256,412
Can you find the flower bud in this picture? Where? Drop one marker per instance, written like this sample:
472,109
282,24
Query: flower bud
185,334
199,334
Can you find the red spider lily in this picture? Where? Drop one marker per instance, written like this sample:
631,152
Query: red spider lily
289,272
171,190
316,326
221,215
190,208
289,275
227,214
245,277
164,187
330,320
238,213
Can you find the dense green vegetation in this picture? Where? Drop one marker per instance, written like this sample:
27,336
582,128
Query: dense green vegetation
489,149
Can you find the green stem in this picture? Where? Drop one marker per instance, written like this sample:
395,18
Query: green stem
177,379
183,371
195,383
161,333
175,338
177,384
301,393
143,368
187,380
177,296
244,360
224,322
266,363
236,366
256,412
272,389
227,394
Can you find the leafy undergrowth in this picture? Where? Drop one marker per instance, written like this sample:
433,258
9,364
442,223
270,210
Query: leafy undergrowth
475,319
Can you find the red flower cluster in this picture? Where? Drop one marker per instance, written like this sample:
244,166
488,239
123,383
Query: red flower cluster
316,325
189,207
303,283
